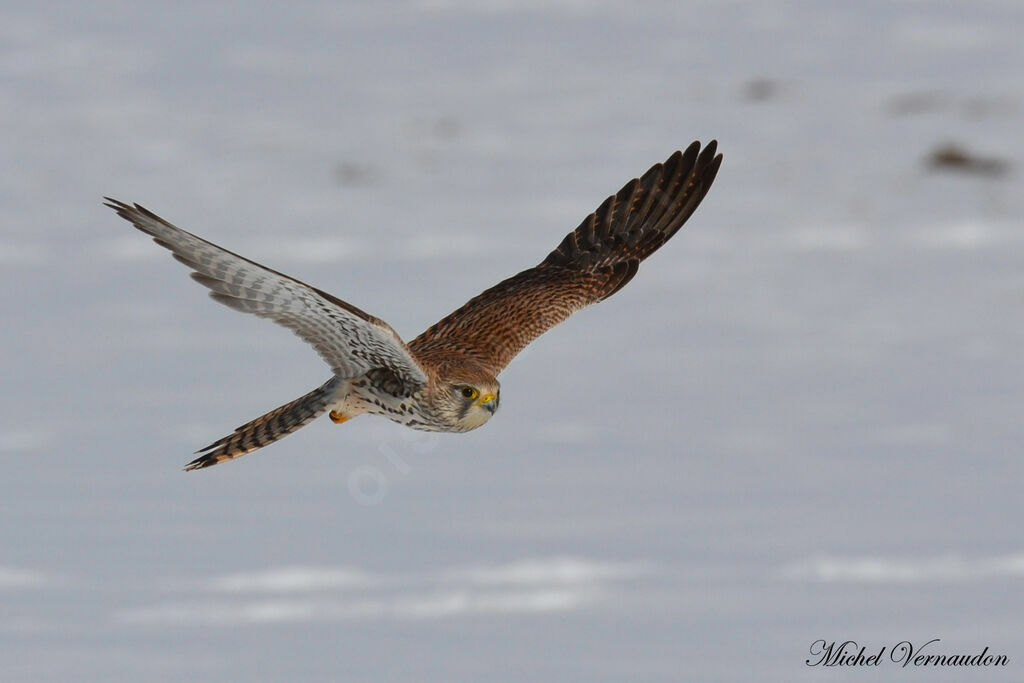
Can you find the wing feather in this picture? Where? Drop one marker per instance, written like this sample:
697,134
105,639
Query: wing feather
350,340
593,262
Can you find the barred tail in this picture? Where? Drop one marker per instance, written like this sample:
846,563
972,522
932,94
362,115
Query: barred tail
268,428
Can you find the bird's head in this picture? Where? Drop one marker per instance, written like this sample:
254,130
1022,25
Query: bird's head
470,402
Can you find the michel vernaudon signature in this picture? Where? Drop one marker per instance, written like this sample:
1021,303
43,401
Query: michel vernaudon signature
903,653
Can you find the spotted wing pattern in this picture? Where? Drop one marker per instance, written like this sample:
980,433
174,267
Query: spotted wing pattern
592,263
350,340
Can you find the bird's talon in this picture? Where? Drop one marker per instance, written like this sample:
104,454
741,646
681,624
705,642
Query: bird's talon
337,418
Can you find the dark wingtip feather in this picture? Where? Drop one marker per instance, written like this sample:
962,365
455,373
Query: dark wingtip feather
134,213
711,160
207,456
123,210
201,462
644,214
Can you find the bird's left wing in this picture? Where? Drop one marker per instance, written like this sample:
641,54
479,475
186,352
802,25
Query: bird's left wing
593,262
350,340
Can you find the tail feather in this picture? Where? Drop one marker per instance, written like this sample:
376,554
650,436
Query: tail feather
268,428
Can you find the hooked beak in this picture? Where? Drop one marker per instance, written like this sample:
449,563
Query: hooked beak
490,402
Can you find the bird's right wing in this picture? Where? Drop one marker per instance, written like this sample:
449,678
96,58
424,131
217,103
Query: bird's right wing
350,340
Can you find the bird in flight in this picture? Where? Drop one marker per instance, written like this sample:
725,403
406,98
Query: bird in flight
444,380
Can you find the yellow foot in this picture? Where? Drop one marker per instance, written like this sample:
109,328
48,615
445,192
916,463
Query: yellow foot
337,418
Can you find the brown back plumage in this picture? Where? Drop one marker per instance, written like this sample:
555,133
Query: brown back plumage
593,262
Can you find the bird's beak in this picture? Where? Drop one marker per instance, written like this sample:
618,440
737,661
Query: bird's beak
489,402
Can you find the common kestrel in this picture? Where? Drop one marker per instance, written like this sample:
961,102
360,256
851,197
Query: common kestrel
445,380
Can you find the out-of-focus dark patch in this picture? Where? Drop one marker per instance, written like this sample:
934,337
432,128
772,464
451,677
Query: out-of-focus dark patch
432,138
916,103
354,174
760,90
954,157
930,102
436,129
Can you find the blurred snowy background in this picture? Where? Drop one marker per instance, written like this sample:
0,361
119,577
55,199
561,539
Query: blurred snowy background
801,420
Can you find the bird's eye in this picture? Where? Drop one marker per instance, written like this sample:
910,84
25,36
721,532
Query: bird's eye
470,392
